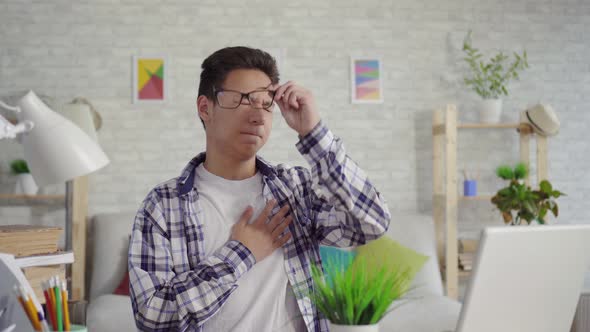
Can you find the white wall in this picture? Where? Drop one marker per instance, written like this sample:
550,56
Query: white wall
63,50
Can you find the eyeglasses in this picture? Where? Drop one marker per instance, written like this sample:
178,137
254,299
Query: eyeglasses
260,99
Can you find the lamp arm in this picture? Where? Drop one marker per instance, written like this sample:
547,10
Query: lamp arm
15,109
9,130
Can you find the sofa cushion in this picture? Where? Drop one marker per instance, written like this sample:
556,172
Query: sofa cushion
338,258
108,242
110,313
123,288
416,231
389,254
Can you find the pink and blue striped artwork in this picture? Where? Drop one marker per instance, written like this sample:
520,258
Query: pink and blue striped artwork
367,81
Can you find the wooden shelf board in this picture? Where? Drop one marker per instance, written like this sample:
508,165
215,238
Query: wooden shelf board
524,128
488,125
463,274
28,200
485,197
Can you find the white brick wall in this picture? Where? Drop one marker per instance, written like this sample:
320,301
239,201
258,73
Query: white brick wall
64,50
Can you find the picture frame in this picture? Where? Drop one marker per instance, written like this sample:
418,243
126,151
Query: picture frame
150,79
366,80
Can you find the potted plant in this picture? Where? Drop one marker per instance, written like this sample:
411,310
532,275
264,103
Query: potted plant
518,202
25,184
489,79
355,299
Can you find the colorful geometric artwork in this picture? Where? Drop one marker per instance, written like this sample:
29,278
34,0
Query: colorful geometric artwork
367,84
149,79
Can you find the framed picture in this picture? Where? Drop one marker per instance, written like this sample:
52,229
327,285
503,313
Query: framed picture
149,79
366,80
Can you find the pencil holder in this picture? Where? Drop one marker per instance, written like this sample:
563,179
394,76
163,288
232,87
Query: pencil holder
76,328
470,188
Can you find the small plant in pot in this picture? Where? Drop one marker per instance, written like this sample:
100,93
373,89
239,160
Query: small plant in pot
355,299
518,202
489,79
25,184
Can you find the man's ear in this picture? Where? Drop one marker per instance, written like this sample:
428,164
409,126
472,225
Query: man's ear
204,108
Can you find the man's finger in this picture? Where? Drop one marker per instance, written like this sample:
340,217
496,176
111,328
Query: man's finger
287,93
281,241
281,227
293,100
246,215
274,87
281,90
277,218
266,212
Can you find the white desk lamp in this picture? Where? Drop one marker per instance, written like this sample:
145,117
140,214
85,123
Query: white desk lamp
55,149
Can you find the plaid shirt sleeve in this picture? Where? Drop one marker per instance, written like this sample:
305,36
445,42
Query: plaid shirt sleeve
163,300
345,209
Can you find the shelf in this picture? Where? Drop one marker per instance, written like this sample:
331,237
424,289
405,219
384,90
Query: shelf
463,274
525,128
447,197
29,200
485,197
489,125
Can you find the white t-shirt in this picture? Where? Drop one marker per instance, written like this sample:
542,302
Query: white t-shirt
264,300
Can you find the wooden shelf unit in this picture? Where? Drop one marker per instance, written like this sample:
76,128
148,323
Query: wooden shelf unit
32,200
445,192
75,201
486,197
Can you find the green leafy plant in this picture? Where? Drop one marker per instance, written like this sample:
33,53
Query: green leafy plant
489,79
354,296
518,202
19,166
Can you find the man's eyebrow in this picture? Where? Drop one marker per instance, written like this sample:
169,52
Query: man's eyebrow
255,89
262,87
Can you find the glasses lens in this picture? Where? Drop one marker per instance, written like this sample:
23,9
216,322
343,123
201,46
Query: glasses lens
262,99
229,99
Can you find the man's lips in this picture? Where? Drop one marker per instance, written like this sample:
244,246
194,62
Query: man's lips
251,134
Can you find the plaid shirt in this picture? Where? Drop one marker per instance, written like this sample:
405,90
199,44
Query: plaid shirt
175,287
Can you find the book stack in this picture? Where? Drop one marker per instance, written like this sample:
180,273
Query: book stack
35,249
27,240
467,251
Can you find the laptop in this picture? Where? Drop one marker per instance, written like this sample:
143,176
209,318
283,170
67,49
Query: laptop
526,279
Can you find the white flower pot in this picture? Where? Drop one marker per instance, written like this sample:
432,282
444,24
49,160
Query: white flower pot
25,184
353,328
490,110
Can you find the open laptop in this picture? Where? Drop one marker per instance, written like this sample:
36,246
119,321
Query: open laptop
526,279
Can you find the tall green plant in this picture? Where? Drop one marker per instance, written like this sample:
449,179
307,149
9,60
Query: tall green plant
518,202
354,296
489,79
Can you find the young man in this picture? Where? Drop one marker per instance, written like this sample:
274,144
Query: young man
227,245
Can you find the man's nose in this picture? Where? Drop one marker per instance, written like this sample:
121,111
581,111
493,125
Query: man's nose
256,116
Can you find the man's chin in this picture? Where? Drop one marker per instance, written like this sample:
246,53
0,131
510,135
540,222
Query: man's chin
248,151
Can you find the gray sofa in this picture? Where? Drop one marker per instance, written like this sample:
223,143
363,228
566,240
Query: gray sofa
428,310
108,243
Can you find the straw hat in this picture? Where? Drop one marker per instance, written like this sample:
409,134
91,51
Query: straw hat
543,119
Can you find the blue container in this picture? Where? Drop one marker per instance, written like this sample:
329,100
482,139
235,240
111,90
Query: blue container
470,188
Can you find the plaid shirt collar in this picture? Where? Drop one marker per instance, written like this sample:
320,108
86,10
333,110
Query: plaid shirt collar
186,181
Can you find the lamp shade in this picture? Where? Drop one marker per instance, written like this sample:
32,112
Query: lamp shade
81,116
56,149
